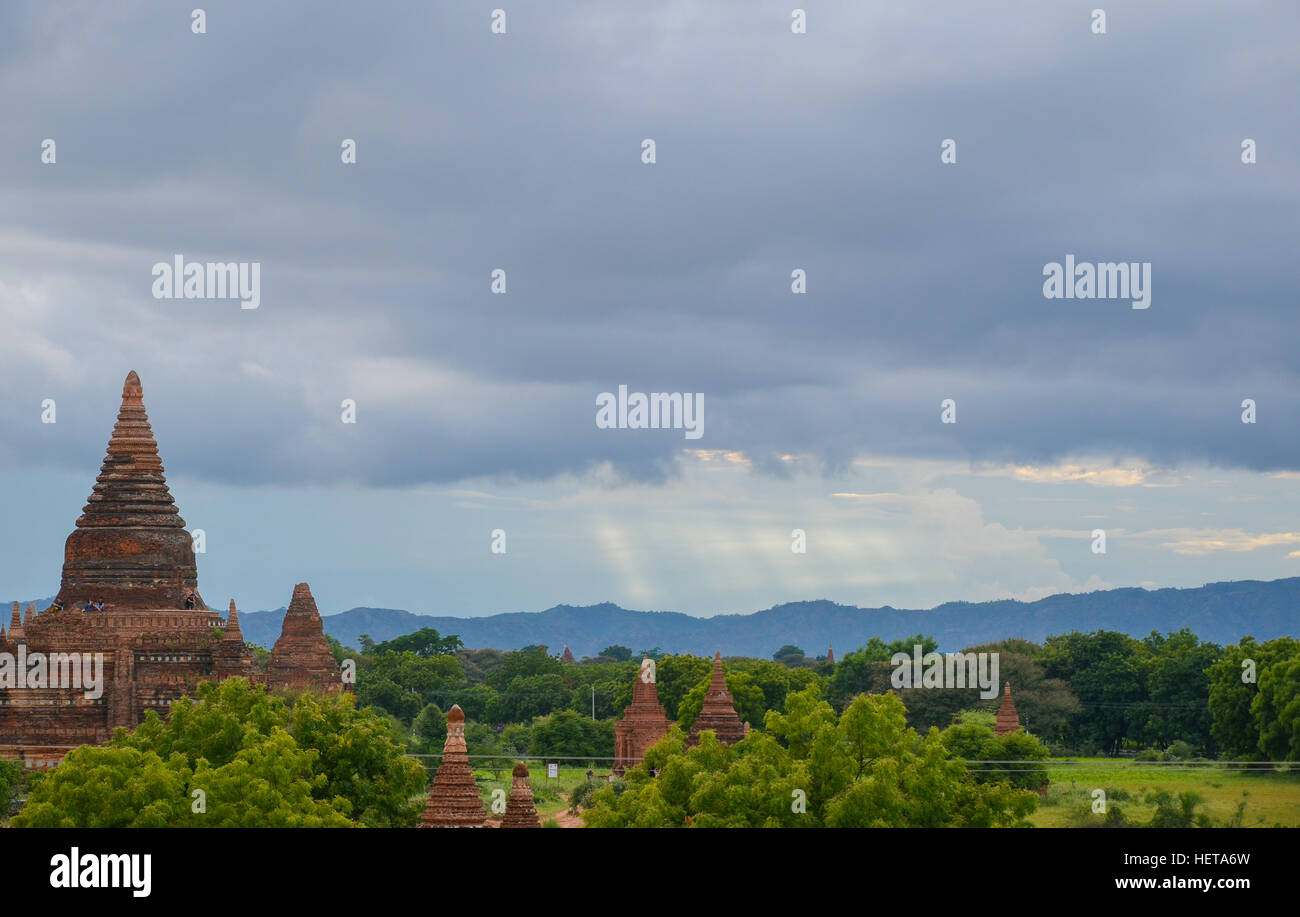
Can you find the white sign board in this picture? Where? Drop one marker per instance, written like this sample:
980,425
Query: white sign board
552,771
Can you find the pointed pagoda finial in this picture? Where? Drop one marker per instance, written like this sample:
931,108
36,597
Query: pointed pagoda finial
232,624
16,624
132,388
1007,720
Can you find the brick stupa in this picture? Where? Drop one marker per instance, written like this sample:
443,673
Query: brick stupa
568,656
520,811
644,721
130,547
718,712
302,656
454,800
1008,719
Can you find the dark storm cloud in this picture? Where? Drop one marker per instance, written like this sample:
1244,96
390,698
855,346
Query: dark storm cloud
775,151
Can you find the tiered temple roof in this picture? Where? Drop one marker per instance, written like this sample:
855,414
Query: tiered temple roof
1008,719
130,547
719,711
568,656
15,625
520,811
454,800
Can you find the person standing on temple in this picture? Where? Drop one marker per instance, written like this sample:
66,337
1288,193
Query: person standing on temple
191,599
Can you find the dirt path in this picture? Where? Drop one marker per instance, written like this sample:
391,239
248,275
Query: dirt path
566,819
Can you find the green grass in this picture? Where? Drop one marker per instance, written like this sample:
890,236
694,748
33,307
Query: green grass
549,796
1272,799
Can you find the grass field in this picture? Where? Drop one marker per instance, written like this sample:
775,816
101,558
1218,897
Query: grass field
1271,799
550,796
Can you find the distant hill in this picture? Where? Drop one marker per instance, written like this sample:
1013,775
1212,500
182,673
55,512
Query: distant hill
1218,612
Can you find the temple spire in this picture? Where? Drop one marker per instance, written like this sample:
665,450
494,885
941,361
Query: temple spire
644,721
1008,720
16,625
130,547
232,624
719,711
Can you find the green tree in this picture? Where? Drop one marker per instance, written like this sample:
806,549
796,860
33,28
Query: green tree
1046,705
972,738
430,729
867,670
617,653
266,784
790,655
567,733
425,642
810,768
1177,690
525,663
1104,670
1233,686
402,683
526,697
1276,710
11,774
294,760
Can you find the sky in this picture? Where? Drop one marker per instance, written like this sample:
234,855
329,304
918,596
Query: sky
475,411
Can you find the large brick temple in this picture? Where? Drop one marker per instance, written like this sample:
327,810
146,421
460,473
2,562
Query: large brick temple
157,638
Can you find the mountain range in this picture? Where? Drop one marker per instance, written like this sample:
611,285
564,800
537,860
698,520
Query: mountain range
1217,612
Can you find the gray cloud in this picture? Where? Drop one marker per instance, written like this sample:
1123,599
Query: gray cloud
775,151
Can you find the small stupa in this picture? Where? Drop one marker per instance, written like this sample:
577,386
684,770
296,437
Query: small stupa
302,655
718,712
454,800
520,811
1008,719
